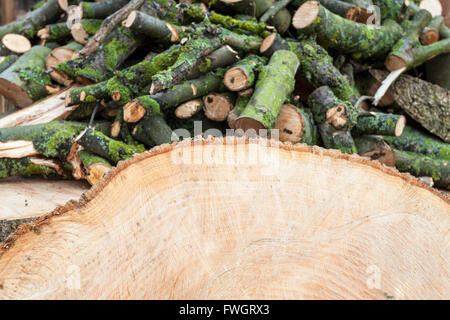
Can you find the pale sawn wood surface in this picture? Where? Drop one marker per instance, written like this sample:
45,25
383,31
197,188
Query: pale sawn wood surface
308,224
29,198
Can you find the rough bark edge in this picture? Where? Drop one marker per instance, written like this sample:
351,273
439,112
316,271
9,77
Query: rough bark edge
86,197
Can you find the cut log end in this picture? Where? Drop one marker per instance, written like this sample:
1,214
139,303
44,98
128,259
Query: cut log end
395,63
337,116
79,34
133,111
385,155
235,79
249,126
217,107
68,99
63,4
289,124
306,14
75,14
16,43
400,126
267,42
188,109
433,6
429,37
96,172
15,94
231,119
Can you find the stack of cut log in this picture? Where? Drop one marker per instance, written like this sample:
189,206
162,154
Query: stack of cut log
96,82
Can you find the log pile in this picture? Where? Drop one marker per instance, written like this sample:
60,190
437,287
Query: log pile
98,82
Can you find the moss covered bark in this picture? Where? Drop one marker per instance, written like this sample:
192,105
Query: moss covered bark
35,20
379,123
357,39
113,150
242,75
408,52
275,83
375,148
426,103
24,167
316,66
25,80
53,139
416,141
101,65
422,166
100,10
6,62
153,131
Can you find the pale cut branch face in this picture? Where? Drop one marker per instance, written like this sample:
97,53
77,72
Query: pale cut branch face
263,221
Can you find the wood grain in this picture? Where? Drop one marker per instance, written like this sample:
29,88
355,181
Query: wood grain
271,222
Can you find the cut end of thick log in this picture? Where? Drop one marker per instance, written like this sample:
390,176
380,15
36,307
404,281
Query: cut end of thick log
400,126
78,33
188,109
235,79
393,63
75,14
289,124
366,237
15,94
306,14
249,126
429,37
96,172
16,43
217,106
63,4
267,42
433,6
133,111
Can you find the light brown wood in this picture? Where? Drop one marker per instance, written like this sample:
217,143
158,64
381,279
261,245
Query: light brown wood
289,124
188,109
267,222
306,14
56,57
16,43
28,198
49,109
217,106
235,79
16,149
133,111
433,6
